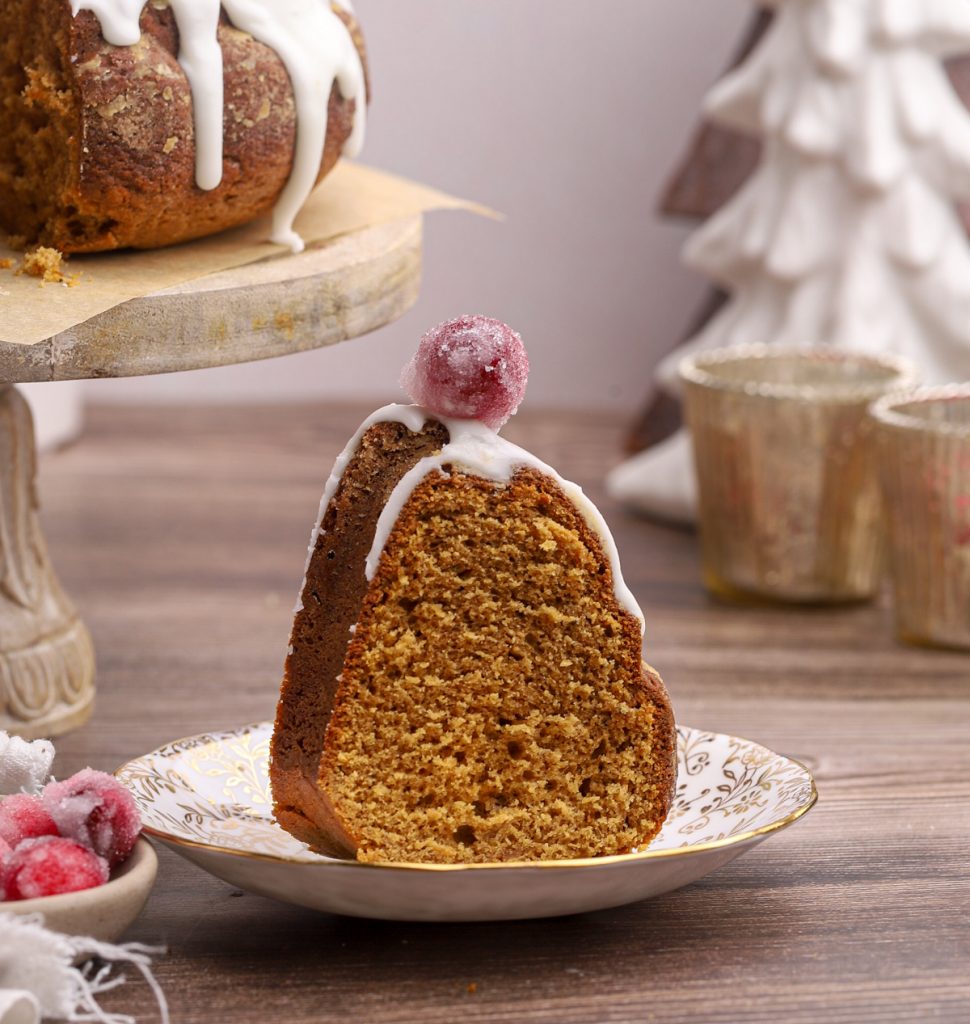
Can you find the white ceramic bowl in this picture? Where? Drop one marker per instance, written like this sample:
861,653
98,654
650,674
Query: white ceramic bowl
105,912
208,797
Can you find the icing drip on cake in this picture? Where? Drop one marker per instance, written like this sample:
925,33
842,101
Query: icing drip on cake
314,45
476,449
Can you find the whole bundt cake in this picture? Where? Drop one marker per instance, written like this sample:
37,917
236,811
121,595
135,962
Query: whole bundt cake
464,681
128,123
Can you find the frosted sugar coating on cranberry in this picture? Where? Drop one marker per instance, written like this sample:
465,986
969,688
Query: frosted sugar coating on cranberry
51,865
471,368
96,810
23,816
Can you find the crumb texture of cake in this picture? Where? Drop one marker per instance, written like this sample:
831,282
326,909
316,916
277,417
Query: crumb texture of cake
40,125
493,705
98,141
465,681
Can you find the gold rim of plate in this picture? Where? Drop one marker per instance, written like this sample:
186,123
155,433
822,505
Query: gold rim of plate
579,862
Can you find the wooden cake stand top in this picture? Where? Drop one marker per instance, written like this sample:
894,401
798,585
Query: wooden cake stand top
343,289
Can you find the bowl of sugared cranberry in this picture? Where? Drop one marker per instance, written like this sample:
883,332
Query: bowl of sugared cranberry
72,853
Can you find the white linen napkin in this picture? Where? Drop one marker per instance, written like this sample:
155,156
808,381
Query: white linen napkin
24,767
38,977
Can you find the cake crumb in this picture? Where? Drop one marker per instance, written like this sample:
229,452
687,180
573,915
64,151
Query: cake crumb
6,264
48,265
43,262
472,988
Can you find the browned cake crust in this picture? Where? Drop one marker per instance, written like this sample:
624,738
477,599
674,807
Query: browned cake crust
97,142
330,604
491,703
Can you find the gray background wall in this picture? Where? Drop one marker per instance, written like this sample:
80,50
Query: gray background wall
567,116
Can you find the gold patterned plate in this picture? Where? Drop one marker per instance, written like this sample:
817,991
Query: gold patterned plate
208,797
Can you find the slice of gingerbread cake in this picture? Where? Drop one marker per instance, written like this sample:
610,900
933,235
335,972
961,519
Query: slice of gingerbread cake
465,679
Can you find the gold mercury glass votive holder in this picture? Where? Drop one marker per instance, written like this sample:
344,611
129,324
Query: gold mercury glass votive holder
789,503
923,447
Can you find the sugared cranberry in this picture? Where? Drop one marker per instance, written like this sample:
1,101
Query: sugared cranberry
469,368
51,865
23,816
96,810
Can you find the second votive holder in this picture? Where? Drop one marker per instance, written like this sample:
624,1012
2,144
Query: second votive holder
923,445
789,502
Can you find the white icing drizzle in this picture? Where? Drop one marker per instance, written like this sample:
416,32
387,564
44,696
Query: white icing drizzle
201,59
476,449
314,45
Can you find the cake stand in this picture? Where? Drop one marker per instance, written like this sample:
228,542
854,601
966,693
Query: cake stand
340,290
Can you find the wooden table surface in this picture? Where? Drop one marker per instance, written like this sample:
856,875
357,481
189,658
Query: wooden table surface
181,534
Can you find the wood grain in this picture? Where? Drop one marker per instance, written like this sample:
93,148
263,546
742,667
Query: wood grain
329,293
181,534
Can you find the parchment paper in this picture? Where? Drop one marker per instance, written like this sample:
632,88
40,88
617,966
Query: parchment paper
352,197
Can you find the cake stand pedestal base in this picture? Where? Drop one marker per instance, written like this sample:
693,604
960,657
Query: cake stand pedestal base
46,656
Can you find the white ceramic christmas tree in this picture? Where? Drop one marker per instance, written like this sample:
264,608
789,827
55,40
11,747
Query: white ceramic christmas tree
848,232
